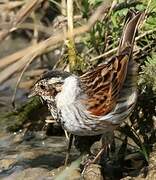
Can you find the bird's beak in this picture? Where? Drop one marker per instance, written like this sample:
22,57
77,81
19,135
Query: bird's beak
32,94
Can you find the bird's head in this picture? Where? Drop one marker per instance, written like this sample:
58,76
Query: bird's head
49,85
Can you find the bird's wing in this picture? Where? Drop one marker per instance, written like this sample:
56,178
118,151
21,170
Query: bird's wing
102,85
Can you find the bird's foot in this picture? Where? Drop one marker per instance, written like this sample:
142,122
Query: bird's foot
93,160
88,160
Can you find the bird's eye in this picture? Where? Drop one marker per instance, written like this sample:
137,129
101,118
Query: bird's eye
42,87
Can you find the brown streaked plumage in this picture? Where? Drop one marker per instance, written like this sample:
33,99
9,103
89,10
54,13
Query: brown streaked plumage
104,83
100,99
103,91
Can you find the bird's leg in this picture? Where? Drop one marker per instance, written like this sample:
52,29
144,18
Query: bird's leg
106,141
99,154
70,140
102,150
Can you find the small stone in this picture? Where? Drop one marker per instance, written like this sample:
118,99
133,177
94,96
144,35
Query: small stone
30,174
5,163
93,171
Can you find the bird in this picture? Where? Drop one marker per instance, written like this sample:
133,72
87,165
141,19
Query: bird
99,100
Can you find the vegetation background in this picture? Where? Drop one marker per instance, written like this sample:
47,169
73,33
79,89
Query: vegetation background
38,35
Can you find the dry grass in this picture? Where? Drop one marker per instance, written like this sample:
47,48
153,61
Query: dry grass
17,61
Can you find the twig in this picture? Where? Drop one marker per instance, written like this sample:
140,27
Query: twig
34,72
146,33
47,30
70,17
23,13
26,84
16,66
71,44
21,53
11,5
20,77
104,55
63,7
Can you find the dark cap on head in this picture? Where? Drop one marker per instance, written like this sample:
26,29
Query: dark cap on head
54,73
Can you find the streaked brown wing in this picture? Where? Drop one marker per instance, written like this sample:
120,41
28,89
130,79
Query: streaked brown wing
102,85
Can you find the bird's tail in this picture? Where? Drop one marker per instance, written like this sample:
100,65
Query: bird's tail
129,32
128,93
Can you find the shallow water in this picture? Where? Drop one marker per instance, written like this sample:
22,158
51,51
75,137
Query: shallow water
17,152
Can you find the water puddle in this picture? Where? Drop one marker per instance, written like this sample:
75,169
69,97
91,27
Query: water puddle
17,153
